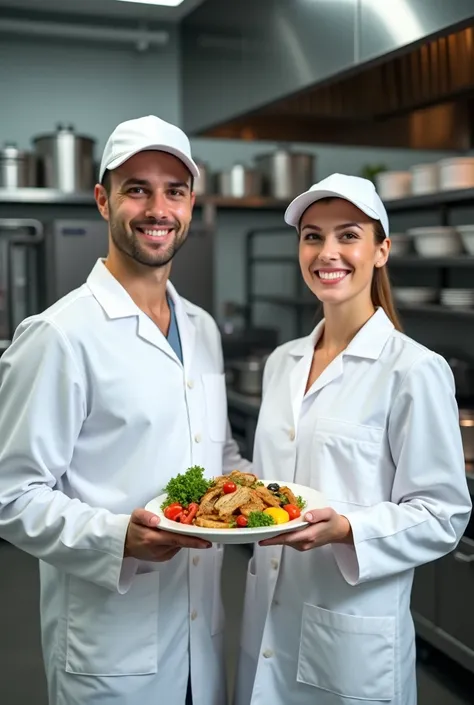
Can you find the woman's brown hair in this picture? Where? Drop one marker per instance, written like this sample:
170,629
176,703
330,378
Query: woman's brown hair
381,291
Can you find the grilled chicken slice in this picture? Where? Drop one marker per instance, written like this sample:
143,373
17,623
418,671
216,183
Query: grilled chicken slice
229,503
206,506
289,495
269,498
211,523
255,505
243,478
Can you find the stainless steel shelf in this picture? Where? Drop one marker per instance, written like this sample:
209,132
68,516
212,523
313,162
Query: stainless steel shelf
437,310
45,196
48,196
439,262
431,200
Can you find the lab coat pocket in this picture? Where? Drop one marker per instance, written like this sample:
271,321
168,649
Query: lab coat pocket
216,406
109,634
350,656
344,460
250,635
218,617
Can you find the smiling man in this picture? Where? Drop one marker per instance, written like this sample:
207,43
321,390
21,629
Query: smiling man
103,398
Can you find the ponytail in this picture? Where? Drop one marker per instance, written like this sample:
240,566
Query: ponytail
381,291
382,295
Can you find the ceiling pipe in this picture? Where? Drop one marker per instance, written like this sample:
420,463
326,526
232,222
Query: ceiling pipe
141,38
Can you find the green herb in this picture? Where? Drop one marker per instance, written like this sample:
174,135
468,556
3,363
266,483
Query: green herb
300,502
257,519
256,484
233,523
186,488
283,499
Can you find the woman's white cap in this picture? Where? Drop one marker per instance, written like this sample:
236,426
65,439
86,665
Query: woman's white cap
361,192
142,134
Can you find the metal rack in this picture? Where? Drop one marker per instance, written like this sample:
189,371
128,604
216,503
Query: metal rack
442,202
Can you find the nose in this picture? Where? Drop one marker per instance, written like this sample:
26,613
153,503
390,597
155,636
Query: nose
329,250
157,206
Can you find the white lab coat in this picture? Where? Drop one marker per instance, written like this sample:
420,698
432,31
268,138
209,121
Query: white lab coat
378,433
96,415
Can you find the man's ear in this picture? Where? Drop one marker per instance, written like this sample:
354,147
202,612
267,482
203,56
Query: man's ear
102,200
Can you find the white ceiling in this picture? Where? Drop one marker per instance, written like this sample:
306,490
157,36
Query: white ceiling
107,8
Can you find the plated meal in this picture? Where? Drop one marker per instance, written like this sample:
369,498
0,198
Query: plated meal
234,508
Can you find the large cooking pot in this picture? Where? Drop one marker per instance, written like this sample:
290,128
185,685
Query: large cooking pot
239,182
17,168
66,160
248,375
286,174
202,184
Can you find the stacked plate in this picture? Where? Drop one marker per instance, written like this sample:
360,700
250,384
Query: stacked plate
436,241
401,244
457,298
415,295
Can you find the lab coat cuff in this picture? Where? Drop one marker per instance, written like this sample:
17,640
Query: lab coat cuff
349,557
126,568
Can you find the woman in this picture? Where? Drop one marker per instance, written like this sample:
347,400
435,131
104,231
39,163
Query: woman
367,416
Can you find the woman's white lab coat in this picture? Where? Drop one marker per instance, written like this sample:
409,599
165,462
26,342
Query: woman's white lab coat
378,434
96,415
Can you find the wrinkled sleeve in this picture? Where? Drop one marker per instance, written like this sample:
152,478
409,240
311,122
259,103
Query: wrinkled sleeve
42,409
430,504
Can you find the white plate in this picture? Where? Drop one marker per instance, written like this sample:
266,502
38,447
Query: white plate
313,498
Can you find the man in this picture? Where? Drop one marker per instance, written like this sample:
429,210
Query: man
104,397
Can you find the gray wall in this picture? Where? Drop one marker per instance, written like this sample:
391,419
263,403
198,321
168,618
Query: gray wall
93,87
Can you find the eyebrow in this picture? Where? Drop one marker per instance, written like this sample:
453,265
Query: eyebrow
144,182
338,227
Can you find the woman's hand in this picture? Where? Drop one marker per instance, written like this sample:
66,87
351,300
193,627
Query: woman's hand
326,526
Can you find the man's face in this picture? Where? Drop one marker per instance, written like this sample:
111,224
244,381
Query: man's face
149,207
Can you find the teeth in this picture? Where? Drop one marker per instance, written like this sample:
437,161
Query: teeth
156,233
332,275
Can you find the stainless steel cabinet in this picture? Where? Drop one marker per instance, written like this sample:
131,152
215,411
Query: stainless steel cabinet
455,577
442,602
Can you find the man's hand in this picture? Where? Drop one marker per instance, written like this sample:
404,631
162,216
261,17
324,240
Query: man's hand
147,543
326,526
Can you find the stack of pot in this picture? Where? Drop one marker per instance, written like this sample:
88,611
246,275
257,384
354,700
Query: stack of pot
61,160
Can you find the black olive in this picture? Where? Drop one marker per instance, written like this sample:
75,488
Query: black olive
273,487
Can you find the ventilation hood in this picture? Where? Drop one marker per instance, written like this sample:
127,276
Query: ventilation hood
417,95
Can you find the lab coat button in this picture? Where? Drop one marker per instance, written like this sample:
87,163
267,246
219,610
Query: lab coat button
194,614
268,653
190,383
275,564
197,437
292,434
196,560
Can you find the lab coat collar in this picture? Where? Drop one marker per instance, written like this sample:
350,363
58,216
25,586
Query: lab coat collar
117,303
368,343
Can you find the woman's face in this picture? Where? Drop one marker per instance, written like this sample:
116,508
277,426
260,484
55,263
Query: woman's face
338,251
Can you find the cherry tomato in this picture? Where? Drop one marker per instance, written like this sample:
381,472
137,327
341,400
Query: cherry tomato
293,511
173,511
229,487
242,521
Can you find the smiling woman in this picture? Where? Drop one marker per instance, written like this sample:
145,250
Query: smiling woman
343,253
364,404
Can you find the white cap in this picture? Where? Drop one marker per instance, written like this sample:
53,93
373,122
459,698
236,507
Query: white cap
145,133
360,192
